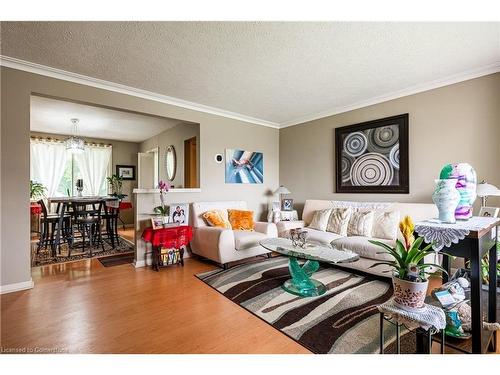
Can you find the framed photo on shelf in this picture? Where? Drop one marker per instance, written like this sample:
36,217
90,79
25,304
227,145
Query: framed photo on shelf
127,172
179,213
489,211
372,156
156,222
287,204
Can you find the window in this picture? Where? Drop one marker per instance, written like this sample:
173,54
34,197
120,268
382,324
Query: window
58,169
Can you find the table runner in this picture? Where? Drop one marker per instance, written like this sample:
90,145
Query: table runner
443,235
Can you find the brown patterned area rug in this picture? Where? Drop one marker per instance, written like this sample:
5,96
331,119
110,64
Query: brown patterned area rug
343,320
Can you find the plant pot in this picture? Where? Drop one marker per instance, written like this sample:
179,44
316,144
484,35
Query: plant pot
409,295
446,197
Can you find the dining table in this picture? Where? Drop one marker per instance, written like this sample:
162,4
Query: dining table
74,199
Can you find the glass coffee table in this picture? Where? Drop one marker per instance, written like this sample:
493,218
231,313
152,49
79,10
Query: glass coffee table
301,283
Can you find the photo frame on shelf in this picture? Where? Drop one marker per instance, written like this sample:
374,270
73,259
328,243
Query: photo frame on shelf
287,204
489,211
372,156
179,213
156,222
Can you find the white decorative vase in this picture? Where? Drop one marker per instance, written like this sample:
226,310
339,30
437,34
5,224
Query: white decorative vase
446,197
409,295
165,219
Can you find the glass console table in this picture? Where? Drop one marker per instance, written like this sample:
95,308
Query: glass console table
301,283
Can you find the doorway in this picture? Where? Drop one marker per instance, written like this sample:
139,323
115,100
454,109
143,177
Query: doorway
190,163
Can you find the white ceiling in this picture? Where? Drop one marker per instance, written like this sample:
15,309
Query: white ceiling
279,72
53,116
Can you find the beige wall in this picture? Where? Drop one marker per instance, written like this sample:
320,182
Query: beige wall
124,153
174,136
456,123
216,134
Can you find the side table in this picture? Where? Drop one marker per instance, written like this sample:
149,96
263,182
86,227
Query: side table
430,319
176,238
471,240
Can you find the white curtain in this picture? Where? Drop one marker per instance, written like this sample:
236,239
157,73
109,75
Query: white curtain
93,163
48,161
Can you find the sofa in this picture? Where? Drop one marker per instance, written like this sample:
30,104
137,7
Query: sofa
226,245
367,252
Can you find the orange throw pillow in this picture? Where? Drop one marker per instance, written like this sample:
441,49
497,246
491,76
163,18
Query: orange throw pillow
217,218
241,219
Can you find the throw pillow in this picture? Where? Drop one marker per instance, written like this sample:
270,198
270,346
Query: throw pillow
385,224
360,224
217,218
338,221
241,219
320,219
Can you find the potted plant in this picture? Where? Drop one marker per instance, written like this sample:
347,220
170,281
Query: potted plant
164,187
36,190
410,273
116,182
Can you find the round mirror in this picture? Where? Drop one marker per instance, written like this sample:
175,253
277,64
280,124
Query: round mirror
171,160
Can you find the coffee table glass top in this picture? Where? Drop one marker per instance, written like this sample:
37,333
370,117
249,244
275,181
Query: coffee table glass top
301,283
312,251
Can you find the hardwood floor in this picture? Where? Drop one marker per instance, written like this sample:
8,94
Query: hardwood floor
83,307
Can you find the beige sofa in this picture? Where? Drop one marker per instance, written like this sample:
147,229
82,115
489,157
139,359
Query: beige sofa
226,245
360,245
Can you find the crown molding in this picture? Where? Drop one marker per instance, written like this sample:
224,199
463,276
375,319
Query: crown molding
11,62
27,66
456,78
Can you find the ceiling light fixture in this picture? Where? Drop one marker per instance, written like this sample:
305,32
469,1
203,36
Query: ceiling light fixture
75,143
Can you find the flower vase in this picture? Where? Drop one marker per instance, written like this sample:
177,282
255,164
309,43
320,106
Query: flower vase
446,197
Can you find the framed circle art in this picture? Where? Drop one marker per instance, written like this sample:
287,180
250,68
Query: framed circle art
372,157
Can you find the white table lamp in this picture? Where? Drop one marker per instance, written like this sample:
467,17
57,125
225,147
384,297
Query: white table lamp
485,190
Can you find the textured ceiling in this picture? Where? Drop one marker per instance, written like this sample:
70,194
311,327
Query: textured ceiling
53,116
276,71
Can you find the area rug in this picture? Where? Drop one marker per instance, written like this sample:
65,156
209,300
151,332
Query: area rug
343,320
44,256
117,260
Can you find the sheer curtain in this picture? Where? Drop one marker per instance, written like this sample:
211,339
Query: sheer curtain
48,161
93,163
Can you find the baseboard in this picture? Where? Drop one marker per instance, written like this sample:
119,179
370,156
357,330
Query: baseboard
16,287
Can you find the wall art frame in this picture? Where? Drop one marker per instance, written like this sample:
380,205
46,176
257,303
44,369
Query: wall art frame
372,156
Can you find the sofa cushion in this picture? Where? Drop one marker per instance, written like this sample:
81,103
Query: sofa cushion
338,221
241,219
217,218
385,224
320,219
363,248
246,239
321,236
360,224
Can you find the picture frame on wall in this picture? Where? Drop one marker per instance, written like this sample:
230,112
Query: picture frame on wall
179,213
372,156
287,204
126,172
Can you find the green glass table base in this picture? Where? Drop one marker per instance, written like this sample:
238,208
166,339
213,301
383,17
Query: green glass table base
301,283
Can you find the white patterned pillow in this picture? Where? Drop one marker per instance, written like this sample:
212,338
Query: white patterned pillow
385,224
363,206
339,220
360,224
320,219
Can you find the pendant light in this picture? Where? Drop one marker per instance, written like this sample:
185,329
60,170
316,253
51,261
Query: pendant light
75,143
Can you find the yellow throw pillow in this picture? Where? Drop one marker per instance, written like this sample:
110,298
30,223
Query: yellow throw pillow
241,219
217,218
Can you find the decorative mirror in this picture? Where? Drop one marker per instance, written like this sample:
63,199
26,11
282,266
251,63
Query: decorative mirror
171,161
